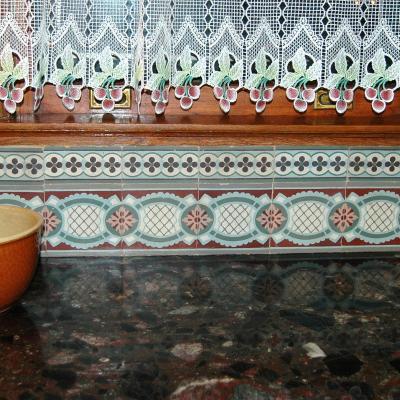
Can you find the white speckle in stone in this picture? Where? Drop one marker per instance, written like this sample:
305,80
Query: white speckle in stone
187,351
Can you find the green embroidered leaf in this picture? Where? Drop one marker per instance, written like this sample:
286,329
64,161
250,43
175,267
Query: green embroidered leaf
333,81
167,71
379,62
272,71
41,73
253,81
299,62
393,72
314,72
6,59
341,63
106,61
236,72
261,62
290,79
98,79
3,76
79,70
216,78
21,70
161,63
180,77
67,59
186,59
352,73
198,70
121,70
59,75
369,80
139,72
154,81
224,62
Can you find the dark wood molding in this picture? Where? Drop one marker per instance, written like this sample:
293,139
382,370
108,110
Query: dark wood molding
204,125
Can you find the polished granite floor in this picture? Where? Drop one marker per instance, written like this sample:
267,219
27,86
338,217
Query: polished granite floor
206,328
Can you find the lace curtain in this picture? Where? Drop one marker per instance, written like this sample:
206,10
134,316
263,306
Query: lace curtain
258,45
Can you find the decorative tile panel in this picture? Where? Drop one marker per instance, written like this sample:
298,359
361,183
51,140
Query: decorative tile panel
372,163
162,220
183,164
78,164
225,199
16,164
311,163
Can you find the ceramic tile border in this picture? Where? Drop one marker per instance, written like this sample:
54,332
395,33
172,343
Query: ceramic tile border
232,163
176,219
17,164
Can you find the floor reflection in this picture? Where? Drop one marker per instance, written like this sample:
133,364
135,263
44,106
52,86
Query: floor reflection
205,328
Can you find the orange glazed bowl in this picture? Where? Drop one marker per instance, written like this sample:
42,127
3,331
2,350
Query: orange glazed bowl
19,250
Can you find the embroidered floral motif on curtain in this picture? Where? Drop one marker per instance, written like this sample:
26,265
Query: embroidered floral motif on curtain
258,45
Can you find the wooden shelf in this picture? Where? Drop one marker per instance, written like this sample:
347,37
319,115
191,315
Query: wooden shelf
86,129
204,125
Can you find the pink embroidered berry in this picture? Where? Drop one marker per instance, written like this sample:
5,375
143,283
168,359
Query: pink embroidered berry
155,95
194,92
3,93
255,94
108,105
260,106
292,93
179,91
186,102
348,95
371,93
300,105
334,94
308,95
69,103
378,106
17,95
225,105
231,95
75,93
116,94
387,95
100,93
218,92
160,108
61,90
341,106
10,106
268,95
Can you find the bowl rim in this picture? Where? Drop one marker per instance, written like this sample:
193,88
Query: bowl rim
27,232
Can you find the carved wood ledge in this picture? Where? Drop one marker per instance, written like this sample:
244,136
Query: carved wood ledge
204,126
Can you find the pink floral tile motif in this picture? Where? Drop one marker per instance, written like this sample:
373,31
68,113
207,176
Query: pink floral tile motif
344,218
197,219
122,220
271,218
51,221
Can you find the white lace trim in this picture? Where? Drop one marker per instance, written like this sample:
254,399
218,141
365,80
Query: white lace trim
146,40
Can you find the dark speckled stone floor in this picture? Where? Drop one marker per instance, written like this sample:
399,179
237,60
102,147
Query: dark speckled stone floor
205,328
